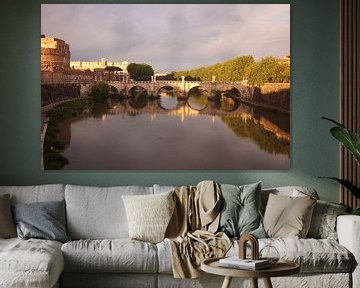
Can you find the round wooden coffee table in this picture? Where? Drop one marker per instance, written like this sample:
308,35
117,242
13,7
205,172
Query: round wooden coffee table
281,268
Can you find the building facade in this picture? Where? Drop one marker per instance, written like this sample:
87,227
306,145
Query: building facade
55,54
92,65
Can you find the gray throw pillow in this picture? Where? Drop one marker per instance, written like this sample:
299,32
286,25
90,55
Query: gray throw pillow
44,220
323,222
240,213
7,226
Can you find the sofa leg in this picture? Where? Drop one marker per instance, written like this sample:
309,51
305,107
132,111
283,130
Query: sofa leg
227,282
254,282
267,282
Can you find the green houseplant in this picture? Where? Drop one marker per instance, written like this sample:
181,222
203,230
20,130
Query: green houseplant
351,141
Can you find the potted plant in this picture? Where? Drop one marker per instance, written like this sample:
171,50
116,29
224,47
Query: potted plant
351,141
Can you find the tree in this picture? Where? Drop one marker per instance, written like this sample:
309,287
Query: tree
111,70
140,72
99,91
268,70
231,70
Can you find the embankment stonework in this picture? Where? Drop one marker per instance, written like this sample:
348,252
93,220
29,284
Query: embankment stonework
53,93
273,95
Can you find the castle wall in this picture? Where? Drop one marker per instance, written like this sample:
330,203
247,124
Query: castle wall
55,55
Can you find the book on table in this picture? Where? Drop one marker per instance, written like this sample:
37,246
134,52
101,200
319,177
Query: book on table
249,264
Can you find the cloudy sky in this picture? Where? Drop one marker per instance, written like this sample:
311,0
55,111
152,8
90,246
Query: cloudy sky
169,37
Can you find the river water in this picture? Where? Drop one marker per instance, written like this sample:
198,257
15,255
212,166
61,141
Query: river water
172,134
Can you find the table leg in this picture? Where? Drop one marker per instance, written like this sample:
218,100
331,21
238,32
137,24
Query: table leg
254,282
227,282
267,283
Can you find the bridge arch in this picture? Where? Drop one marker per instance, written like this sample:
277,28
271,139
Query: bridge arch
172,87
137,90
113,90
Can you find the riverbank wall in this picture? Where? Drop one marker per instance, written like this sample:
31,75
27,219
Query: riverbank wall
54,93
273,95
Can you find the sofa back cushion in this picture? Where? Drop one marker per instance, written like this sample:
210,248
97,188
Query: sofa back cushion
98,212
35,193
290,191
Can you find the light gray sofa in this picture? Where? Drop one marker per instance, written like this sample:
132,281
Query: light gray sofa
101,254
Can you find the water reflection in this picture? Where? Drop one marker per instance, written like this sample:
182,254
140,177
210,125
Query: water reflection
269,129
198,102
173,132
168,98
229,103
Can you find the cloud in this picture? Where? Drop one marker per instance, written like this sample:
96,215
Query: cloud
169,36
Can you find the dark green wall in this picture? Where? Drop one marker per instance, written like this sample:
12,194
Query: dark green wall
314,93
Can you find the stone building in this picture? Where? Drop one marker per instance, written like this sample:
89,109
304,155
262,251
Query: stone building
55,59
92,65
55,54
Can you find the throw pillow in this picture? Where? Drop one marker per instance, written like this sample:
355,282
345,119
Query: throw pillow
240,213
288,217
44,220
149,215
323,222
7,227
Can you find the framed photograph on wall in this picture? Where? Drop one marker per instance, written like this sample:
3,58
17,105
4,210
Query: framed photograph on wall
165,86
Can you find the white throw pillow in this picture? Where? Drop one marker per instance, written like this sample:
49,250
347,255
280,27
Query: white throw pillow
149,215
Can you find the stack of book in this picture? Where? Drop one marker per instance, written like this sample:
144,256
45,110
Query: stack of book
248,264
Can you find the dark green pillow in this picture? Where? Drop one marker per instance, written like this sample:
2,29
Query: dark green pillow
240,213
43,220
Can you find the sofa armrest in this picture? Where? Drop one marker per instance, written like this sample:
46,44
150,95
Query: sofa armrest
348,230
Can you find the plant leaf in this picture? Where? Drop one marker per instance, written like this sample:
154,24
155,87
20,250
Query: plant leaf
333,121
349,139
347,184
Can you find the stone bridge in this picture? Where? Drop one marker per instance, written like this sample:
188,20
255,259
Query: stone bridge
153,88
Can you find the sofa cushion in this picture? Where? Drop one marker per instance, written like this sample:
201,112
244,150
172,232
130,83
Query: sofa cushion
30,263
240,210
313,255
116,255
163,188
43,220
35,193
287,216
109,280
7,226
323,222
149,215
291,191
98,213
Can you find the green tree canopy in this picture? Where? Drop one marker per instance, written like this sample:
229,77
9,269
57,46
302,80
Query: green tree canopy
113,68
231,70
140,72
268,70
99,91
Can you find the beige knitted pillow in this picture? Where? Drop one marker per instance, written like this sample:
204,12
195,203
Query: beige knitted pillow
149,215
